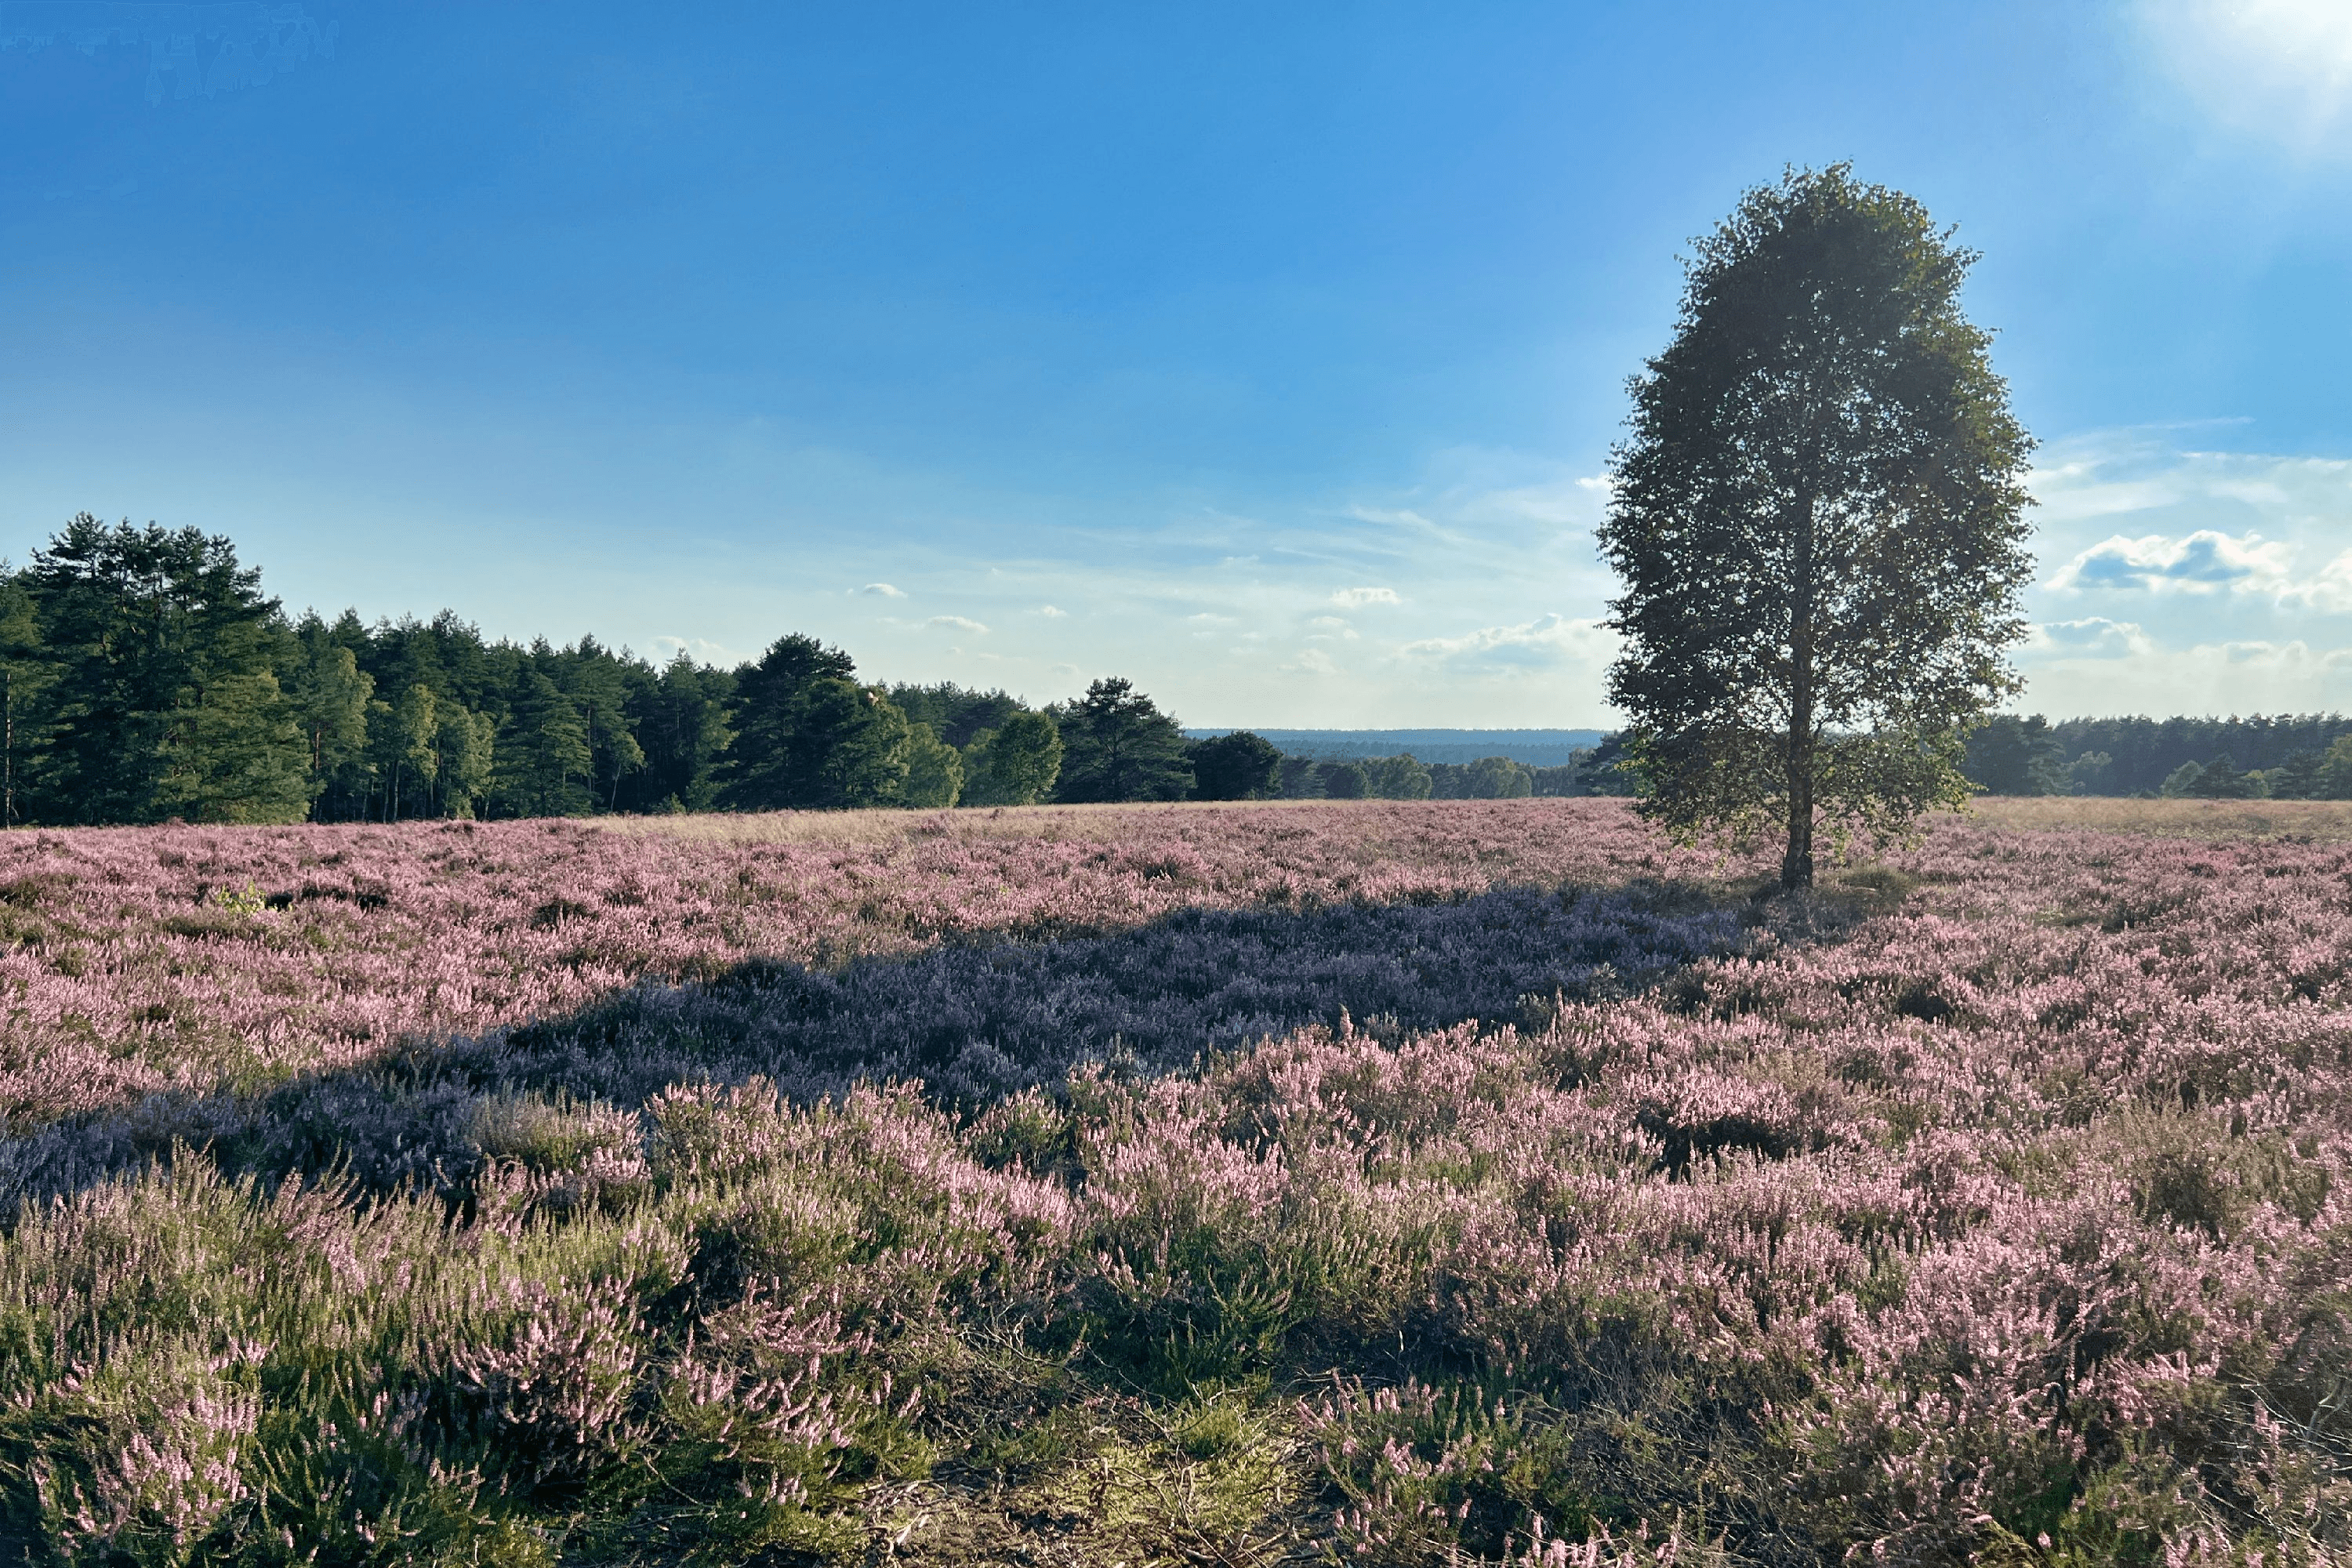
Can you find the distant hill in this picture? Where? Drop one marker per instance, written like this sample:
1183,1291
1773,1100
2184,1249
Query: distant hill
1535,748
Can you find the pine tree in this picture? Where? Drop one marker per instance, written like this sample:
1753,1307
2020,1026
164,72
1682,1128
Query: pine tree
1117,745
680,720
543,759
774,764
165,701
25,674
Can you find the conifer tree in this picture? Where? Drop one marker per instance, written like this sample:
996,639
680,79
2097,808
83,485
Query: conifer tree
165,702
25,675
542,760
1117,745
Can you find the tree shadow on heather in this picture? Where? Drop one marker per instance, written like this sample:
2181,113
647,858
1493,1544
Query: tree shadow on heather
974,1022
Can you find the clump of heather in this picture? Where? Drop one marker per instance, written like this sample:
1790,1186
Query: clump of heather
182,959
1989,1205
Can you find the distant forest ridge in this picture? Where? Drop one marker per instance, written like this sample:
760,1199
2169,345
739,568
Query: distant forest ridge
1534,748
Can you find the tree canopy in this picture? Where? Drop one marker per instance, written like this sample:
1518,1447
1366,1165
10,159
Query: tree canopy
1239,766
1818,520
1117,745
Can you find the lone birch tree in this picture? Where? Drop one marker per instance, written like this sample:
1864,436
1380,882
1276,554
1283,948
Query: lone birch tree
1819,520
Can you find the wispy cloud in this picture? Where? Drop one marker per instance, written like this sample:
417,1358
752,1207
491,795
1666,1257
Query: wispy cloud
880,591
1357,598
1545,641
957,624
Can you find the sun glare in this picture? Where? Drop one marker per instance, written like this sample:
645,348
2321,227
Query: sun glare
2278,69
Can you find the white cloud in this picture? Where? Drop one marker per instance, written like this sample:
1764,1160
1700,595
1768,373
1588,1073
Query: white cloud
1357,598
1049,612
1329,627
2092,636
959,624
1544,641
2330,591
880,591
1314,661
2204,561
2224,676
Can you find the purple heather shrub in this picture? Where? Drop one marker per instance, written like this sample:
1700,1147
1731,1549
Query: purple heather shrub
1993,1207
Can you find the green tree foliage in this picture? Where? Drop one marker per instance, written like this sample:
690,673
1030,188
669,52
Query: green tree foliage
934,770
164,700
1345,780
542,760
1117,745
1015,764
681,725
1819,522
773,764
465,754
1401,777
2009,755
2220,779
956,713
2139,753
332,696
1302,778
1239,766
808,737
599,685
25,676
1488,778
403,747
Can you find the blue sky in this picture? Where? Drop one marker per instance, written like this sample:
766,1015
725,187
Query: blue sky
1269,355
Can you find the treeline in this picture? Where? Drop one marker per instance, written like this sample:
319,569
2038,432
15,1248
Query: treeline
2300,756
1593,770
145,676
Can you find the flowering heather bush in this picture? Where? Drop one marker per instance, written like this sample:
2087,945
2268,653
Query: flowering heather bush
140,960
1990,1205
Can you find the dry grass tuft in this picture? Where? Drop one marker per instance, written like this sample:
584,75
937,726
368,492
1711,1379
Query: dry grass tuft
2325,821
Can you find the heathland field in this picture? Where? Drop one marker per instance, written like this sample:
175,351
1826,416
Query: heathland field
1382,1183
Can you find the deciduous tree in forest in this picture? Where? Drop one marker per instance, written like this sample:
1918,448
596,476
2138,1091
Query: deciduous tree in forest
1117,745
464,752
1016,764
331,694
401,744
934,771
1819,522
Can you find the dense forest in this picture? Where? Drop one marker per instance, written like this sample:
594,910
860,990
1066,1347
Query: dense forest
2306,756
